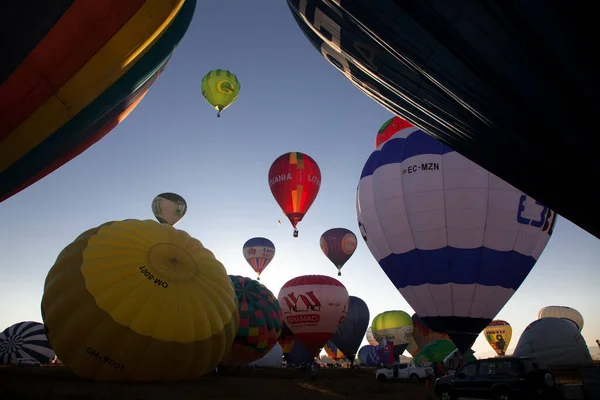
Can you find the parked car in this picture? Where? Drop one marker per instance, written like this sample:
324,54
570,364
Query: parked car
24,362
504,378
407,371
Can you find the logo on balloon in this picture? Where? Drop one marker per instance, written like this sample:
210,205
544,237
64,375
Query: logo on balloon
251,252
349,243
302,303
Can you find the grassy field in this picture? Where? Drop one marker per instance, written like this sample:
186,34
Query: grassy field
60,383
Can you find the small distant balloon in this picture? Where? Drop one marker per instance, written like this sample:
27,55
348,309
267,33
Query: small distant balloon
259,252
220,88
338,244
169,208
498,334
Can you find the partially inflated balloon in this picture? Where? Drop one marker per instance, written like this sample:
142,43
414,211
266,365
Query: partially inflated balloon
371,356
553,341
260,322
370,338
258,252
423,334
300,354
294,180
412,347
139,301
338,244
220,88
498,334
313,307
169,208
333,351
390,128
562,312
435,351
350,332
455,240
286,339
25,340
394,326
71,72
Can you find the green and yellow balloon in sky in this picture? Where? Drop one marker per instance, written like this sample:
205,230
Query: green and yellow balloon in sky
220,88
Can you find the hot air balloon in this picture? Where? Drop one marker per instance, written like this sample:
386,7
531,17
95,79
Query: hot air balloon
294,179
562,312
389,129
423,335
220,88
338,244
260,322
500,83
270,360
259,252
333,351
139,301
350,332
286,340
73,71
25,340
169,208
553,341
371,356
370,338
300,354
457,359
313,307
445,232
412,347
393,326
498,334
435,351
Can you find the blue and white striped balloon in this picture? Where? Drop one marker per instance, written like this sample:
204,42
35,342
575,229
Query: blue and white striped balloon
25,339
456,240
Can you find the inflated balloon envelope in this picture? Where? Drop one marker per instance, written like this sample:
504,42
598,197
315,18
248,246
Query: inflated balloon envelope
139,301
456,240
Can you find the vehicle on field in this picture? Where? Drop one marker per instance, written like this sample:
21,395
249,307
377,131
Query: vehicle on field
503,378
404,371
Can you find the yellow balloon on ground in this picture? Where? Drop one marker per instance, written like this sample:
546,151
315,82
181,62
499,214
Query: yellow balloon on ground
139,301
498,334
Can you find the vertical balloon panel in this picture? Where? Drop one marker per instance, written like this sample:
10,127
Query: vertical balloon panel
454,239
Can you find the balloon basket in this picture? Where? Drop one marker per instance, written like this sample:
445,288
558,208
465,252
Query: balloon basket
339,273
295,232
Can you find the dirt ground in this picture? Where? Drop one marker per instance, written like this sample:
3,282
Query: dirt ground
289,384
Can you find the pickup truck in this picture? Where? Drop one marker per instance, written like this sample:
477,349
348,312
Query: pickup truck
407,371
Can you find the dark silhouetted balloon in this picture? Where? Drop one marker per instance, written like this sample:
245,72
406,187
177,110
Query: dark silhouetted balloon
511,85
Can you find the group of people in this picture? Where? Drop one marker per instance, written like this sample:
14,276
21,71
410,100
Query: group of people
438,369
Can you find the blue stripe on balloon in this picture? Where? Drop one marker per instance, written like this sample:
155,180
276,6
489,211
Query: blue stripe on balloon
393,150
507,269
259,242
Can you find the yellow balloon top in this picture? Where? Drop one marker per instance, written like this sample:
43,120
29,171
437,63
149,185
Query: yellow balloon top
148,296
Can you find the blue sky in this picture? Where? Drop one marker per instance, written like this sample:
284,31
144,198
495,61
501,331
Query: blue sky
291,99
